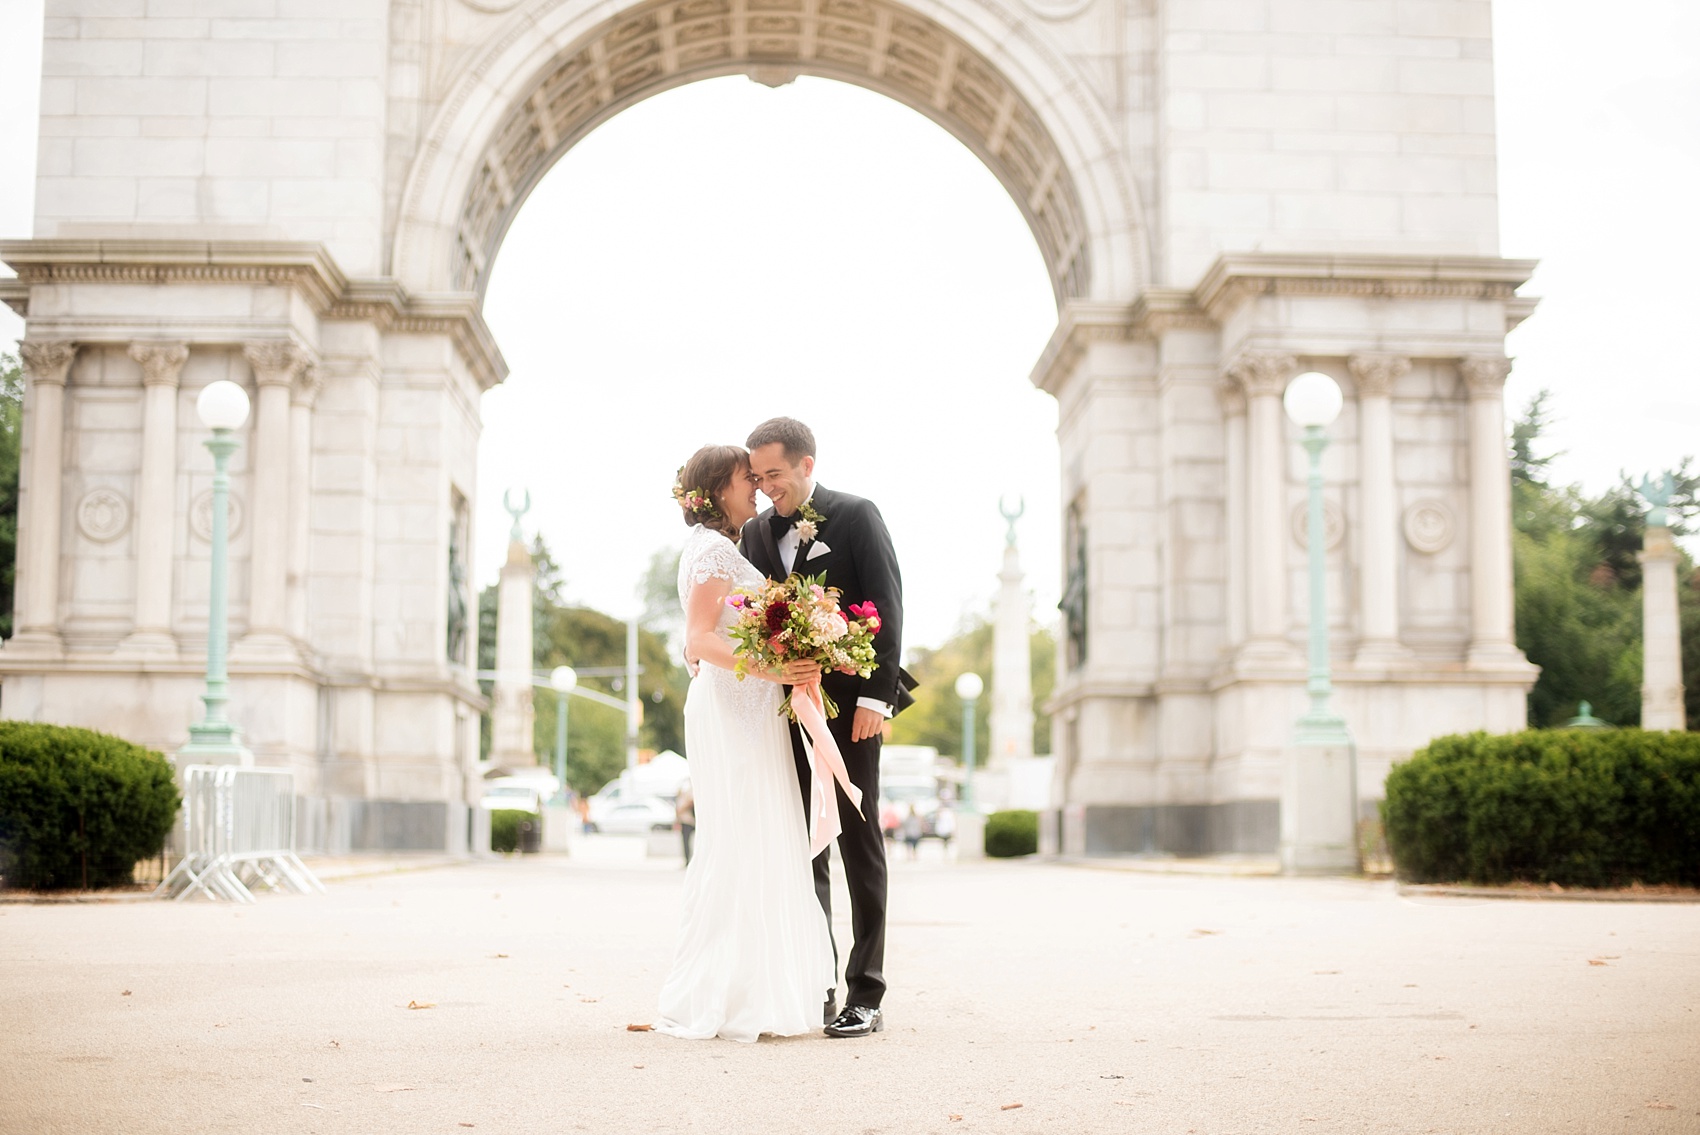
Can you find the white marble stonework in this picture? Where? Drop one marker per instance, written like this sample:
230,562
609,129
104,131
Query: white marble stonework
306,197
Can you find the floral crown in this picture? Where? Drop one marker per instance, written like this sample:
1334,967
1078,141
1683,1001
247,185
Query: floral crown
694,501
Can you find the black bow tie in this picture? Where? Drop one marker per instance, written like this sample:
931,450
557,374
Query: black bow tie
782,524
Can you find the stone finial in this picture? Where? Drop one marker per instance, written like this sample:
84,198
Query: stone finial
1485,374
1263,372
162,362
47,360
516,535
276,362
1010,517
1375,374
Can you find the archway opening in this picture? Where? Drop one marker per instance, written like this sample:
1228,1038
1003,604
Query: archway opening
724,252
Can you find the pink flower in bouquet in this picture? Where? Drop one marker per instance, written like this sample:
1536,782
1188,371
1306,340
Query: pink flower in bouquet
735,600
777,644
864,610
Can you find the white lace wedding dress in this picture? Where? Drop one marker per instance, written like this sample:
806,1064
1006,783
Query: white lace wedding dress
754,955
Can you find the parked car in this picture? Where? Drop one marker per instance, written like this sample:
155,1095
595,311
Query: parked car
500,795
639,817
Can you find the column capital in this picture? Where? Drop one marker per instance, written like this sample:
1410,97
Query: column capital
276,362
1263,373
47,360
1231,397
162,362
308,382
1485,374
1376,373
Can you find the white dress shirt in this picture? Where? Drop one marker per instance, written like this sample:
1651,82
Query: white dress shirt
788,545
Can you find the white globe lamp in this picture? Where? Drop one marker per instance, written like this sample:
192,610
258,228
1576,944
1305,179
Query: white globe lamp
1313,399
222,405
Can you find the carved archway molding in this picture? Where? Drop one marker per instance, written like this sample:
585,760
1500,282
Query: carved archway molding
561,71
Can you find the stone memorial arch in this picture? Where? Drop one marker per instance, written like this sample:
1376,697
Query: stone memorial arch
307,196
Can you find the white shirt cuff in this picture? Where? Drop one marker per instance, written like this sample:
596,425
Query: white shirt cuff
873,703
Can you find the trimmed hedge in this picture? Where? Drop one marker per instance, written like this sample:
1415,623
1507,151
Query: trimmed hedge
504,827
79,808
1575,807
1012,833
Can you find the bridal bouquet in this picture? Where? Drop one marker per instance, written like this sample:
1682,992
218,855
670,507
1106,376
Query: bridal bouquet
799,617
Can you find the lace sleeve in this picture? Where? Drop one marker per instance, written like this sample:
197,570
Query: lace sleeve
706,559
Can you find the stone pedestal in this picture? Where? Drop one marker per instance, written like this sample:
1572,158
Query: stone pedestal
1661,634
1012,667
970,839
1319,810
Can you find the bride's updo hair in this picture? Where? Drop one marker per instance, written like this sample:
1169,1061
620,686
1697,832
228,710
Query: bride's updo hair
704,477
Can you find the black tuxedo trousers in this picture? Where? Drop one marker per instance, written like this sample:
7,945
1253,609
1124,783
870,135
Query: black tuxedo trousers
862,845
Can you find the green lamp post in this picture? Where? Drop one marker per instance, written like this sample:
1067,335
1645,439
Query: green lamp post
223,407
563,680
969,687
1319,794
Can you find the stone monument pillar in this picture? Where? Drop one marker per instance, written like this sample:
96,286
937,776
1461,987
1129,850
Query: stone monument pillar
1012,659
511,713
1661,629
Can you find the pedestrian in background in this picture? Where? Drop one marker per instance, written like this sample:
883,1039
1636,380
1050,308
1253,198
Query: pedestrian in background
686,811
912,829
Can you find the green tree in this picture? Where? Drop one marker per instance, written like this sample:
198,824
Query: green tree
564,634
936,717
1578,584
11,433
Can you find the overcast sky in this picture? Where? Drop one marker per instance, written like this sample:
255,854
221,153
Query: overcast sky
725,252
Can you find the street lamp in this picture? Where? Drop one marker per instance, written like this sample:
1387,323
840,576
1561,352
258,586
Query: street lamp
969,687
223,407
1319,796
564,680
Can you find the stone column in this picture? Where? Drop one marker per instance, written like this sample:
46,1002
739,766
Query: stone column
1661,634
1232,399
1011,717
276,363
1264,377
1492,641
511,713
162,364
1378,591
303,394
47,364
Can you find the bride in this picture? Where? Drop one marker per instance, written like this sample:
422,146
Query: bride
754,951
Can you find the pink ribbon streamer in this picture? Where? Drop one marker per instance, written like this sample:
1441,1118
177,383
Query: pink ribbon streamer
824,823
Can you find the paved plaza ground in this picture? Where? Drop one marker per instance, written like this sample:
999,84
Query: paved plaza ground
1098,1000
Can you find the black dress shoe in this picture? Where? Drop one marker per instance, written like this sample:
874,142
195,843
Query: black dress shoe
857,1020
829,1011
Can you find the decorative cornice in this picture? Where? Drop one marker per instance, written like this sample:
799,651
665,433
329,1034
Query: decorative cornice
1080,323
47,360
1239,276
162,362
1485,374
1376,374
1263,373
1230,395
1161,310
308,268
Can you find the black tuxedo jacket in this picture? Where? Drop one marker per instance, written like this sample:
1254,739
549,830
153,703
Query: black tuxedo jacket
858,560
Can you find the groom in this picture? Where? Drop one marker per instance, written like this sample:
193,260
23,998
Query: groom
811,530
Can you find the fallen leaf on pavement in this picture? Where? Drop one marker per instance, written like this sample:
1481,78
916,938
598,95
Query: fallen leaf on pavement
588,1000
500,955
421,1004
1111,1076
640,1028
126,993
319,1106
1204,933
955,1118
392,1087
473,1124
1657,1106
637,1065
1595,962
1323,972
1009,1107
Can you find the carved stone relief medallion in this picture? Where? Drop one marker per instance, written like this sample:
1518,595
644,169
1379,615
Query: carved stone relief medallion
1428,526
103,515
1333,525
200,515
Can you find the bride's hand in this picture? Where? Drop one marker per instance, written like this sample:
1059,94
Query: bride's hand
800,672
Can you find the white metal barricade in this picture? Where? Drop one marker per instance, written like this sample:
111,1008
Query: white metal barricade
238,833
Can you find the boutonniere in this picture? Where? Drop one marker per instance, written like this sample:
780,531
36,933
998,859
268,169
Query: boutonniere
809,527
